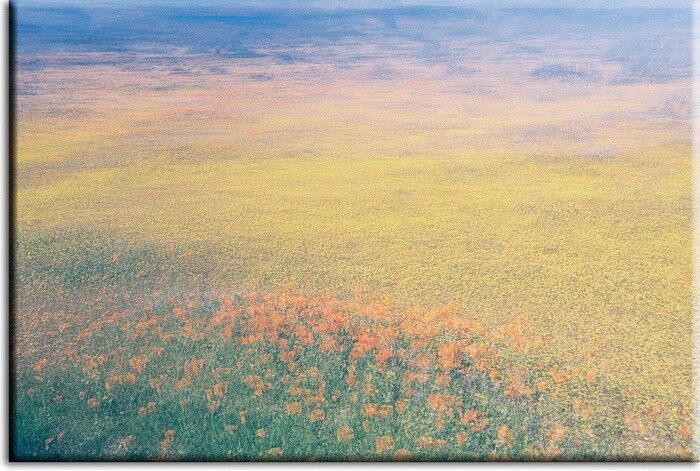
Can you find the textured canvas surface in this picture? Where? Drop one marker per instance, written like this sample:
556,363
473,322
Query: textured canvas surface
352,231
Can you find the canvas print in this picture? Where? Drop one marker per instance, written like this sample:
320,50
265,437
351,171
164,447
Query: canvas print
275,230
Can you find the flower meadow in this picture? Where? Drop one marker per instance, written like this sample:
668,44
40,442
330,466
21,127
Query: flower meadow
369,232
292,375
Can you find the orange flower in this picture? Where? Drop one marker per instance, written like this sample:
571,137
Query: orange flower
383,444
303,336
581,409
193,367
461,437
169,438
185,382
243,415
439,425
515,386
317,415
261,433
590,376
383,355
558,433
275,452
350,378
551,453
344,433
256,383
468,417
384,411
439,402
138,363
370,410
480,424
226,332
442,378
288,356
84,335
420,377
293,408
124,443
447,354
40,365
400,405
179,313
220,389
402,455
423,362
93,403
439,443
505,435
424,442
364,342
129,378
542,386
685,432
559,376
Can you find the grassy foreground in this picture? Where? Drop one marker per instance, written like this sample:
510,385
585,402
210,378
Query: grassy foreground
113,362
292,377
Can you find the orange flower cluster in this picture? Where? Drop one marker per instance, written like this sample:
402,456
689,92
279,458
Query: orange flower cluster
192,368
284,338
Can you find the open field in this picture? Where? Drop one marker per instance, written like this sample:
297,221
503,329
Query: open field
287,376
445,240
596,256
515,218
